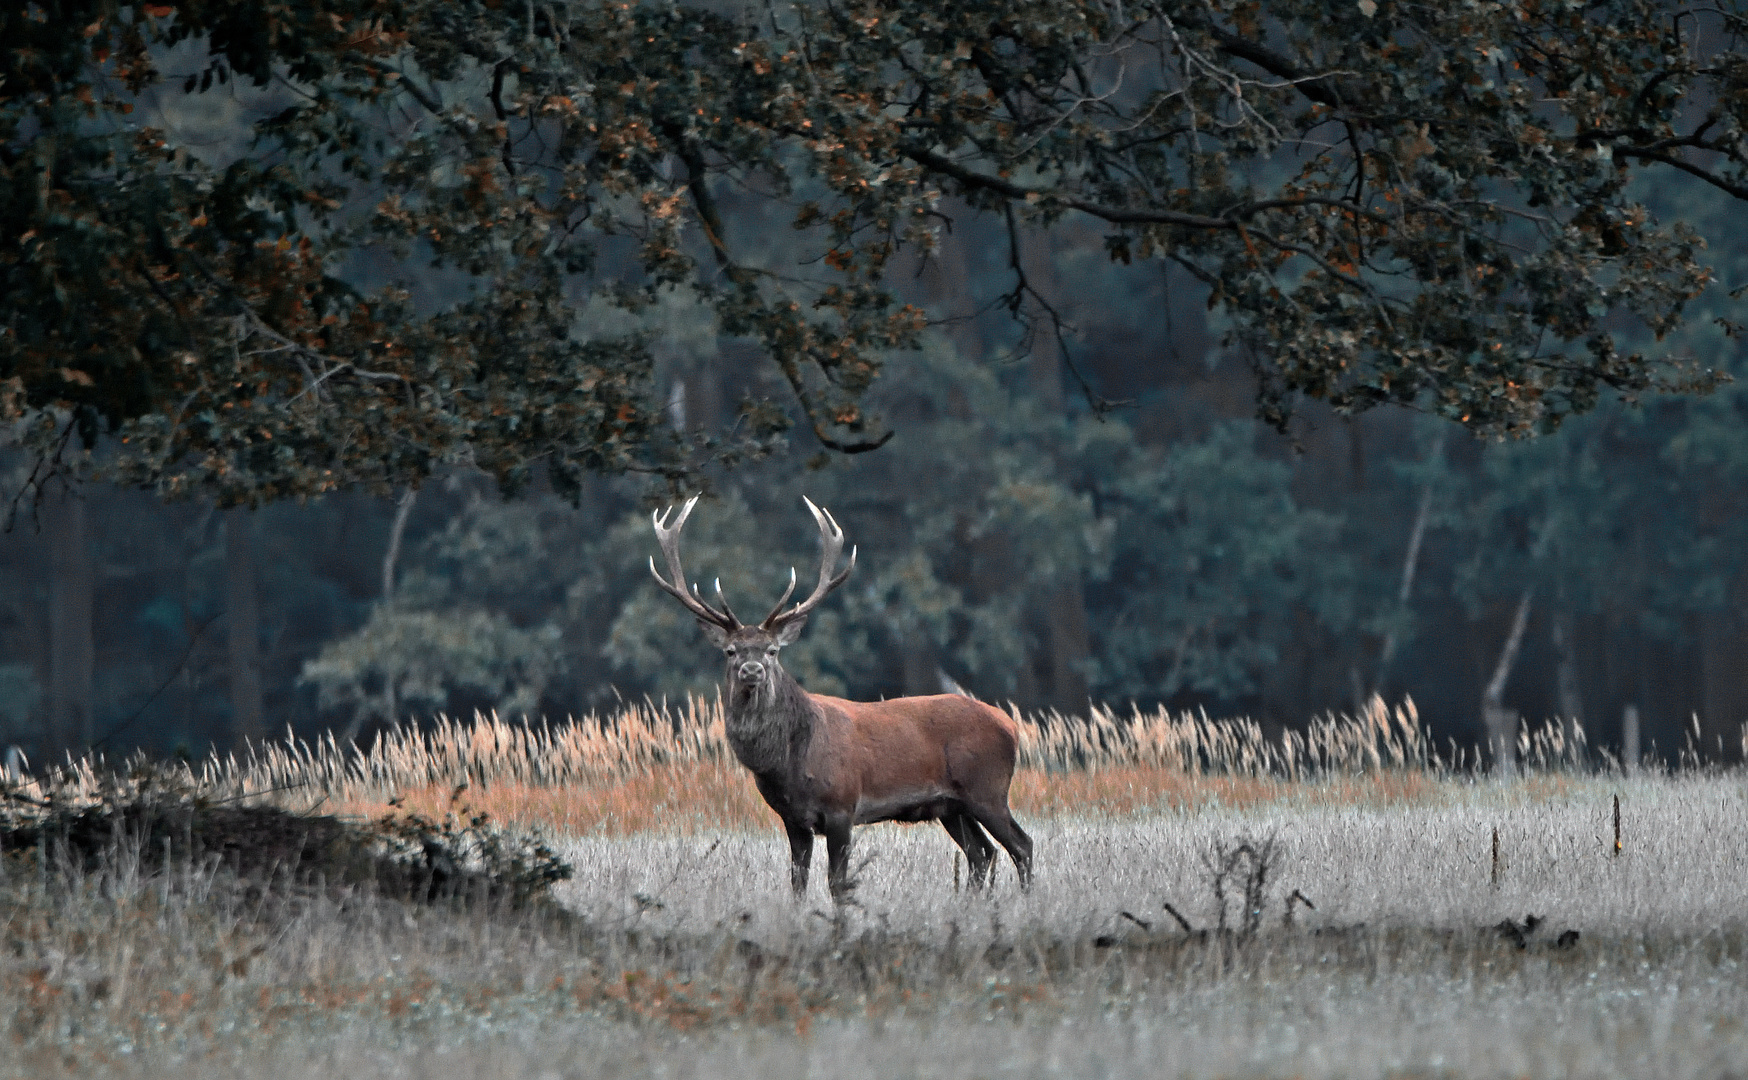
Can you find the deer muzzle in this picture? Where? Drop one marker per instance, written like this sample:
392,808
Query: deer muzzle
752,671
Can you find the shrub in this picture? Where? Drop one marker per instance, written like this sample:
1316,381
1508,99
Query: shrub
160,816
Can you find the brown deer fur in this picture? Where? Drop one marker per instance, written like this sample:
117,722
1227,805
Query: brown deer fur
825,764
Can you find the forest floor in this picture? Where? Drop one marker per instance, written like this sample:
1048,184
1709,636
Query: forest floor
676,950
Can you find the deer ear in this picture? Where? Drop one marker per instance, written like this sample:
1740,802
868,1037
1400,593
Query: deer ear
791,630
717,635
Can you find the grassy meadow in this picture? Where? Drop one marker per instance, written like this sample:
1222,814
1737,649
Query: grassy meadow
1349,903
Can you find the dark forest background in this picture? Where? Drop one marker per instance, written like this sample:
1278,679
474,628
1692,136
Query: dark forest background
1172,551
1057,519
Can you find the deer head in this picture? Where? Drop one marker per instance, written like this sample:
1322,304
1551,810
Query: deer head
751,651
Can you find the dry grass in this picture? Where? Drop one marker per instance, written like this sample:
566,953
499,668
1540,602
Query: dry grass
687,958
1129,790
678,951
1422,864
711,797
685,798
652,766
647,738
650,769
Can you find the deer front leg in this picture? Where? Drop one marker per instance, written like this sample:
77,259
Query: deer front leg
800,856
837,850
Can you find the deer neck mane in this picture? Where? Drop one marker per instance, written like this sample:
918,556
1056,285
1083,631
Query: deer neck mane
769,731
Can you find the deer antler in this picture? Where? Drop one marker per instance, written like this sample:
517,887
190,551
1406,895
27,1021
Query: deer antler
669,538
831,542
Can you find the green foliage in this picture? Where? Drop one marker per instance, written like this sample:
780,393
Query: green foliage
1219,563
481,619
369,265
960,525
966,528
405,660
1632,514
1635,513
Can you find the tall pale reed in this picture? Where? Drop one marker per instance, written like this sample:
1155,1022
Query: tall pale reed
650,739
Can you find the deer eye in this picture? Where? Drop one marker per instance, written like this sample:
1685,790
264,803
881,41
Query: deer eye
729,650
772,651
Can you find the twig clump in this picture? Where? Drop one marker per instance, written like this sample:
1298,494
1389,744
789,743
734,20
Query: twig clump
1519,933
1245,865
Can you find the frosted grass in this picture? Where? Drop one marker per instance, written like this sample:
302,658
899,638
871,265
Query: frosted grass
1657,986
1395,1025
1683,868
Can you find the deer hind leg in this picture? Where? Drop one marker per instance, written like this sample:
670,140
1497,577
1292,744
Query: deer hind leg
837,851
979,852
1007,832
800,857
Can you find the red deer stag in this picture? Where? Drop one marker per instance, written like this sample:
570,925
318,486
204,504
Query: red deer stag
825,764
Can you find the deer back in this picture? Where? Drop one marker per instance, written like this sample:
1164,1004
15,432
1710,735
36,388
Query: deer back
921,747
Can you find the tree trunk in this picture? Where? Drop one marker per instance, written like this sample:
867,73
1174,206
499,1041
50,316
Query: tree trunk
1724,661
392,557
71,654
243,626
921,673
390,565
1566,676
1630,739
1047,359
1500,722
1356,453
1070,648
1410,566
944,281
1065,604
677,405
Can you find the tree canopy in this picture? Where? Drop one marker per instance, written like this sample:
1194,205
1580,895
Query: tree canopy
282,248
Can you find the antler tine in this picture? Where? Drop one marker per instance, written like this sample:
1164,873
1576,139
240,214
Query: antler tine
784,599
723,600
831,542
669,539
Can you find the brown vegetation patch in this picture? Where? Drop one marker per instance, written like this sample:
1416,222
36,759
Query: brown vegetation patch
684,797
1138,789
691,797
